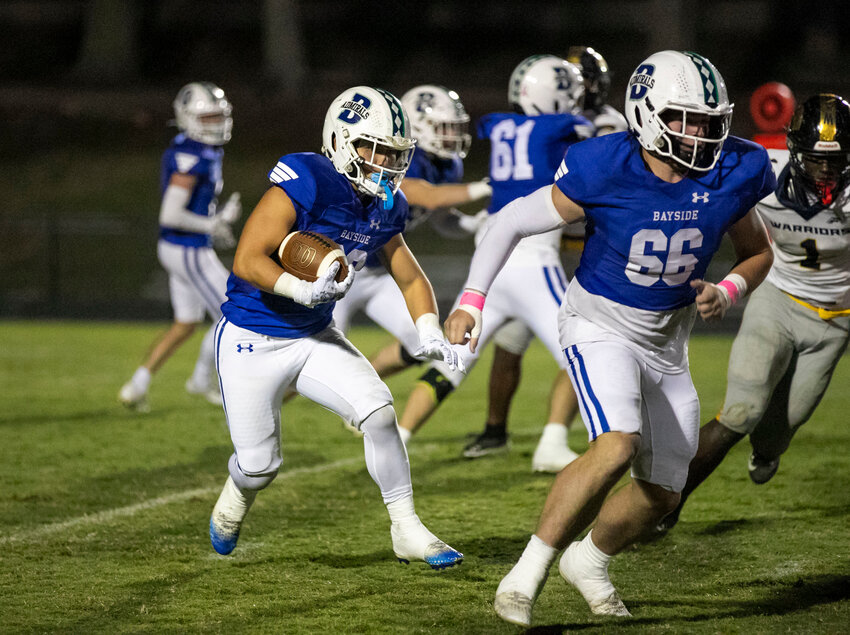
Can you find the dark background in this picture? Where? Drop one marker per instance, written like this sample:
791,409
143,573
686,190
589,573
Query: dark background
86,90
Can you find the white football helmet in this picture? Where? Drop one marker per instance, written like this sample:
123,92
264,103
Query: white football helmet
371,118
203,113
672,85
546,84
438,120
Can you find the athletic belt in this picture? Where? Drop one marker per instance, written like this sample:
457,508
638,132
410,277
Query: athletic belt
824,314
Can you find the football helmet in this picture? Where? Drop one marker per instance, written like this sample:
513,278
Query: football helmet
546,84
594,70
818,142
673,85
373,121
202,113
438,121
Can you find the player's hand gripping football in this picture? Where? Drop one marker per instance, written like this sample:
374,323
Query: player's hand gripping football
432,344
326,288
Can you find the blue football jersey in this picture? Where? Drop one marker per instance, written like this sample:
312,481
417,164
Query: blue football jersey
647,238
525,151
325,203
202,161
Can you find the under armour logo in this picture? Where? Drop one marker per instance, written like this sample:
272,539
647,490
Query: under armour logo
700,197
244,347
374,224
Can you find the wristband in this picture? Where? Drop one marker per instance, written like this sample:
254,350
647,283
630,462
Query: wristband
478,189
428,325
735,287
294,288
473,299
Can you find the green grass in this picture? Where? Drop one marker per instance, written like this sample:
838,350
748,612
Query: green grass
104,513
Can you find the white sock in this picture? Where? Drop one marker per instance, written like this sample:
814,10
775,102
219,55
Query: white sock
402,510
405,435
530,571
233,502
142,378
554,434
593,553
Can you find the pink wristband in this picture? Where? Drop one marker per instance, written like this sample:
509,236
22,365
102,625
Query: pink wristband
472,299
731,289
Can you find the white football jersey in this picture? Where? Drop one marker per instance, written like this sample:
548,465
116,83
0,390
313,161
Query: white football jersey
811,258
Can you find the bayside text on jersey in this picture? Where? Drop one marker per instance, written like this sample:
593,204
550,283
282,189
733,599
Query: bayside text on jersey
525,151
647,238
326,203
187,156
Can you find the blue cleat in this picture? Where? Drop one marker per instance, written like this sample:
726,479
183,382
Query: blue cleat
415,542
223,534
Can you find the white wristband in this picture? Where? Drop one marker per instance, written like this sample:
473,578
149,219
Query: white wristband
294,288
428,325
478,189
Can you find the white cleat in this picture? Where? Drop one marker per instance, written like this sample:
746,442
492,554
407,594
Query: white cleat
595,586
514,607
551,458
227,516
134,398
413,541
210,393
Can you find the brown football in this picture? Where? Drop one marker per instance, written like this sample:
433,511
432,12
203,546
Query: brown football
307,255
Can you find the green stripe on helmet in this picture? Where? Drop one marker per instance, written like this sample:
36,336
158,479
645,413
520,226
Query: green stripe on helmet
711,94
399,120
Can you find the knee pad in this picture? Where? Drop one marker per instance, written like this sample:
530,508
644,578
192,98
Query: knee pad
254,482
407,358
383,417
440,385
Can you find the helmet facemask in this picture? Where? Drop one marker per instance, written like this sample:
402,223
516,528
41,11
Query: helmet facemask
825,174
450,138
693,151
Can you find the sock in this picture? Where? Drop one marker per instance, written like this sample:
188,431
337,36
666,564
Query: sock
554,434
142,378
498,430
202,375
405,435
592,553
233,502
530,572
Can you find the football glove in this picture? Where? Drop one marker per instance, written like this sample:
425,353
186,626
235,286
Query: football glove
324,289
231,211
222,234
432,344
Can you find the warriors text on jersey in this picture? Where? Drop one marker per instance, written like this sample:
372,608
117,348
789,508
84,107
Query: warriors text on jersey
326,203
187,156
810,242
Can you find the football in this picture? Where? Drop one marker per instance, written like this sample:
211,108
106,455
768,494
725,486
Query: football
307,255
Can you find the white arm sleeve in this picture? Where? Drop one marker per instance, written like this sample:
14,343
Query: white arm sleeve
525,216
173,212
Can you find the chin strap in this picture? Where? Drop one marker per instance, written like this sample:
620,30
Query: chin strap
384,183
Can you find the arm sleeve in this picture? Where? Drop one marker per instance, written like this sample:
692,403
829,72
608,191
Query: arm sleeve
525,216
173,212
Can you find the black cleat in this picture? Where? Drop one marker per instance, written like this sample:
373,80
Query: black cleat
486,443
762,469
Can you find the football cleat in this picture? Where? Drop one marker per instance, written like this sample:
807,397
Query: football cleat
227,516
514,607
413,541
210,393
595,586
486,443
551,458
134,398
224,533
761,469
668,522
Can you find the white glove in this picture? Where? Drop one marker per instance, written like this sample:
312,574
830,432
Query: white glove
432,344
231,211
324,289
479,189
471,223
222,234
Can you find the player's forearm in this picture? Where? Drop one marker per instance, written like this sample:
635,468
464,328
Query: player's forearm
425,194
174,214
525,216
256,268
419,298
754,268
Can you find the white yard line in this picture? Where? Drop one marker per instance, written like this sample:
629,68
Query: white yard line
43,531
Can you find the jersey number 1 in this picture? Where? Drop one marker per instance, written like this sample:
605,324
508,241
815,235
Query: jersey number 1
646,269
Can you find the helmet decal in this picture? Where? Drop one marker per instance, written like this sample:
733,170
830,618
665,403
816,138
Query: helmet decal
399,123
355,109
641,81
827,125
709,81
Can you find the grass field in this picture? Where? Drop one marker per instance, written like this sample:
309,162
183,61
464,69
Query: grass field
104,513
